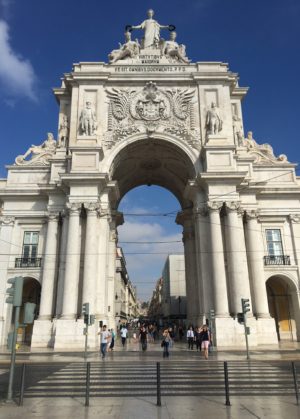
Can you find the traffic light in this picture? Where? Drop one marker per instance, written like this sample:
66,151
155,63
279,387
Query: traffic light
240,317
15,292
212,314
245,305
29,312
92,319
86,312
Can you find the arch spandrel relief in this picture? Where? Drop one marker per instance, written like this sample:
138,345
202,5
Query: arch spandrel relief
149,110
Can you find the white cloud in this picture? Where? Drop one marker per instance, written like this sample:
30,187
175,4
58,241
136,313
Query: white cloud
17,75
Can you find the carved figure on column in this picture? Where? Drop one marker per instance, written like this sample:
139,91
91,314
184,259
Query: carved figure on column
39,153
151,31
63,132
128,50
88,121
213,120
173,50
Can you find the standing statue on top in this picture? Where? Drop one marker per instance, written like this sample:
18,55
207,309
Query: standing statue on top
151,31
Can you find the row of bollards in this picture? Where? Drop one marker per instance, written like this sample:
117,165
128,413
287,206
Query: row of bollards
158,384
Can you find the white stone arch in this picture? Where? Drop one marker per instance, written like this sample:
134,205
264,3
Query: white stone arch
282,305
192,154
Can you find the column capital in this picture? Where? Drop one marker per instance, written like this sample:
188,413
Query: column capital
214,206
6,220
92,207
294,218
252,215
53,216
74,207
233,206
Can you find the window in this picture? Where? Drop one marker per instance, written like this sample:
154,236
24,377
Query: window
274,242
30,244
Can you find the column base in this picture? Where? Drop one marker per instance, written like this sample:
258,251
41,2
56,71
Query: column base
230,333
69,335
266,331
43,334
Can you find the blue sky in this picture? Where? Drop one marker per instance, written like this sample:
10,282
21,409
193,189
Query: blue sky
39,41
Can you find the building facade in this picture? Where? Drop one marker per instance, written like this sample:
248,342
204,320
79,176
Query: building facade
150,116
174,289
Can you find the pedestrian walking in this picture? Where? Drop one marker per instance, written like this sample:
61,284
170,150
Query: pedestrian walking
205,338
112,341
197,334
104,339
143,338
190,338
124,334
166,343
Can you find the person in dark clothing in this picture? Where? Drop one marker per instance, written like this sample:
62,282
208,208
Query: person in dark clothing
143,338
205,338
198,342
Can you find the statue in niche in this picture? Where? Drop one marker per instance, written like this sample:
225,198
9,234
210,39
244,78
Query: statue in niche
237,130
213,120
151,31
88,122
173,50
63,132
128,50
39,153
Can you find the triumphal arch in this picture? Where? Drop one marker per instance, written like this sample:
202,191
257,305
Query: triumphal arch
151,116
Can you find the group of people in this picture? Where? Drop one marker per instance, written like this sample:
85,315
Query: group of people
201,337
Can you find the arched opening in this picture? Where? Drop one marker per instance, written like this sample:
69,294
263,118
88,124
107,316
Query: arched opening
280,291
31,294
152,176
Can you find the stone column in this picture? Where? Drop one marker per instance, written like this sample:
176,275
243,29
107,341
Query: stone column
90,256
237,258
49,269
101,297
203,256
217,260
255,251
111,275
62,264
70,297
6,248
192,303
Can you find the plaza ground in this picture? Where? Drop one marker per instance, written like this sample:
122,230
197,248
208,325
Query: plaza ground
212,405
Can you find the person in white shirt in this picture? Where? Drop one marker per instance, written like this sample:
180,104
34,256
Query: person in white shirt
104,339
190,338
124,333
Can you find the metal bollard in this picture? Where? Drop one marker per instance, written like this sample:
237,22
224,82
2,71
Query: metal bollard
227,402
295,382
22,385
158,403
87,384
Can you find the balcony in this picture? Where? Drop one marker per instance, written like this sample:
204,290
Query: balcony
277,260
28,262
